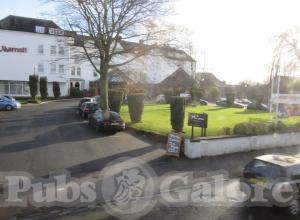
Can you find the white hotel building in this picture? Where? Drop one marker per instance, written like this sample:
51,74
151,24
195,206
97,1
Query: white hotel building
29,46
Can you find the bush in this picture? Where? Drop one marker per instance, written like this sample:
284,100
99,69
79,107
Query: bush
177,113
251,128
115,99
230,99
136,106
56,89
33,85
76,92
168,93
44,87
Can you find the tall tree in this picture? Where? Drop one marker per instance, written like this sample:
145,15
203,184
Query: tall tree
103,24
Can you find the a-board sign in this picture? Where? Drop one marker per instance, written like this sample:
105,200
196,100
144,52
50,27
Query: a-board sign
174,144
198,120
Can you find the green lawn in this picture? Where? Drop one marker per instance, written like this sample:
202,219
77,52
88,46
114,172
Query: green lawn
156,118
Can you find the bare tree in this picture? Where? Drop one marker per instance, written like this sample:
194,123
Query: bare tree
101,25
287,53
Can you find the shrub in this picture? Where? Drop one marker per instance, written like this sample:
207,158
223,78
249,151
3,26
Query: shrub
56,89
177,113
44,87
250,128
115,99
230,99
76,92
33,85
136,106
168,93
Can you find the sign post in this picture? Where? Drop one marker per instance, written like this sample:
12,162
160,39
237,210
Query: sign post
198,120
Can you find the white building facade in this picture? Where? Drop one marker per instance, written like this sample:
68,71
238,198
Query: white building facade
34,46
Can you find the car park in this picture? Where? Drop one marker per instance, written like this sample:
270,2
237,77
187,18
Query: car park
106,121
9,104
273,176
87,108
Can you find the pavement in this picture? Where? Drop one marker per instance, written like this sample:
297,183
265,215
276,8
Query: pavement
50,138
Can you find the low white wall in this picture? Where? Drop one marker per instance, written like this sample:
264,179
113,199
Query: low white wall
215,147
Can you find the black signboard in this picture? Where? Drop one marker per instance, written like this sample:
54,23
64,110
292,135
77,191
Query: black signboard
198,120
174,145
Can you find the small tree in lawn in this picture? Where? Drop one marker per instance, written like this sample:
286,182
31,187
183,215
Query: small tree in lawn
177,113
33,85
56,89
136,106
44,87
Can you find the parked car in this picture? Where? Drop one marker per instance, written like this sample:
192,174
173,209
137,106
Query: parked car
160,99
86,99
106,121
97,99
187,96
9,104
222,103
237,104
87,108
203,102
261,107
274,175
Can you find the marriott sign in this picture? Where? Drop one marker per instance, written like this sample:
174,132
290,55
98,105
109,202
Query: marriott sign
6,49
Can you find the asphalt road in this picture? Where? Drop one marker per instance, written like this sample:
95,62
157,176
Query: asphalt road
49,137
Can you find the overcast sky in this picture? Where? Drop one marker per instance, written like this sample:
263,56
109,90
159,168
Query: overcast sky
236,37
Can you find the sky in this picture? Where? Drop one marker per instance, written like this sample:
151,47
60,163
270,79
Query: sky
234,39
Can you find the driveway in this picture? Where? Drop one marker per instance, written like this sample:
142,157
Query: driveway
49,137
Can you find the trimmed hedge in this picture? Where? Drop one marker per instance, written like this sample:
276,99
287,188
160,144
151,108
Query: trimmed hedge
177,113
136,106
56,89
115,99
251,128
44,87
76,92
33,85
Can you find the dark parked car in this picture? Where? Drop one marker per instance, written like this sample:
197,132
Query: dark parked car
222,103
9,104
86,99
106,121
274,175
203,102
87,108
261,107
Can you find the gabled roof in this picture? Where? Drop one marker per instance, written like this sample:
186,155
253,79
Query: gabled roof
17,23
178,79
166,51
209,79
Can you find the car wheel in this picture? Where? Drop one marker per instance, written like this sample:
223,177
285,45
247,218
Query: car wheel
8,108
294,208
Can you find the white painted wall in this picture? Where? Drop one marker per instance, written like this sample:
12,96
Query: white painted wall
220,146
18,66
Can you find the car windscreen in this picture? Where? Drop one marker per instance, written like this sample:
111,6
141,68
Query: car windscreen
266,170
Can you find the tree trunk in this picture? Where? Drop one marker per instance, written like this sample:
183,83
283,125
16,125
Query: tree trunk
104,91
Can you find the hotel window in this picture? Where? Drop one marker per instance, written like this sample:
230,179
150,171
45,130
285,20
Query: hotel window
16,88
73,71
61,50
40,49
53,67
4,87
95,74
61,68
78,71
53,50
40,68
